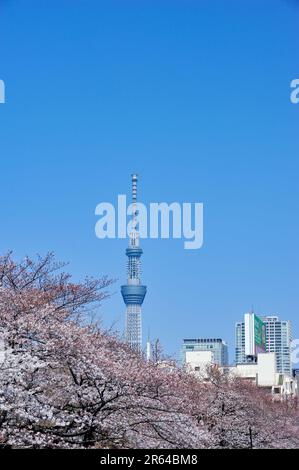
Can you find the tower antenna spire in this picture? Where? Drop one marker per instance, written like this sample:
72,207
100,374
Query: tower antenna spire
134,235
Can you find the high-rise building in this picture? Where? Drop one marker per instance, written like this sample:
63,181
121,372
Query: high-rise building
133,292
278,338
215,345
240,356
250,338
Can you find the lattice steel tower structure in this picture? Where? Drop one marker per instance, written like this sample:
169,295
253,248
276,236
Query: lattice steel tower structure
133,292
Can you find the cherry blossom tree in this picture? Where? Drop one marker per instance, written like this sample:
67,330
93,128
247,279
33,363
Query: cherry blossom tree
238,414
64,382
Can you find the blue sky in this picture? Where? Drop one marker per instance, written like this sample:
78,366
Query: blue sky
194,96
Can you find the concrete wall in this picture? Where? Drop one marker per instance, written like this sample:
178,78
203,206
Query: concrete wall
245,371
198,361
266,369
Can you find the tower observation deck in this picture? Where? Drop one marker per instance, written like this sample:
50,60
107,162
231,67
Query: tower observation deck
133,292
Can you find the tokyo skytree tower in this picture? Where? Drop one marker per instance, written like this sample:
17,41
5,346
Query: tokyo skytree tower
133,292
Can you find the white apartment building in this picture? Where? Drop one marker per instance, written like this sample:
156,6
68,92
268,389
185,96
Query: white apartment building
278,341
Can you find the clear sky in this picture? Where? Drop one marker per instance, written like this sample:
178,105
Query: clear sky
192,95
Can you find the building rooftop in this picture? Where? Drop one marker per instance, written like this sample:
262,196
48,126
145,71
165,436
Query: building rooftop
204,340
